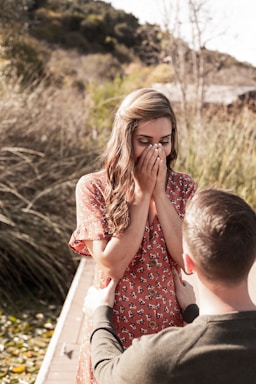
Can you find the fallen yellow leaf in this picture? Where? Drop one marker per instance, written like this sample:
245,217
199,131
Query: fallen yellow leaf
18,369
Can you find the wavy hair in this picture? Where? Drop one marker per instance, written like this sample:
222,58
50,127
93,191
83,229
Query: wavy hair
141,105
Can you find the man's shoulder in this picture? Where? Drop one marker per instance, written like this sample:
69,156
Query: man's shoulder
229,317
176,337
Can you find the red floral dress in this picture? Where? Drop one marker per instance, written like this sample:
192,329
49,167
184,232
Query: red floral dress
145,299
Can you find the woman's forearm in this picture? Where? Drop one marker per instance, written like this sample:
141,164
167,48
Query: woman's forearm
171,225
115,255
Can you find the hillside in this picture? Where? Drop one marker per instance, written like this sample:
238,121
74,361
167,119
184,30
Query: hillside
84,40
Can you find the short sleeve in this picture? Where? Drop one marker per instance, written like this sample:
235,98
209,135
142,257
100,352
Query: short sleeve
180,188
90,208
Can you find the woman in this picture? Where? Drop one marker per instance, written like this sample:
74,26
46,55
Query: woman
129,219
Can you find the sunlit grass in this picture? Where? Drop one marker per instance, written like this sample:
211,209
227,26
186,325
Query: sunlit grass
222,154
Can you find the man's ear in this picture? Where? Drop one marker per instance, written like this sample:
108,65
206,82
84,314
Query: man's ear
189,264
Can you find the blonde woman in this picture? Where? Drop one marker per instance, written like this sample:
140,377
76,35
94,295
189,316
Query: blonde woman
129,218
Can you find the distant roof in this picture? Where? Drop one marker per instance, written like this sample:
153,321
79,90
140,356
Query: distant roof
213,94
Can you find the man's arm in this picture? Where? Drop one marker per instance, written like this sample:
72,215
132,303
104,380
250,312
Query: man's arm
111,364
105,343
134,365
109,361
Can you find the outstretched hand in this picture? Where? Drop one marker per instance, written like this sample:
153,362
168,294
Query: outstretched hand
184,291
97,297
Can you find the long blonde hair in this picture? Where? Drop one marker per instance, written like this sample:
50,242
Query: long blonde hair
141,105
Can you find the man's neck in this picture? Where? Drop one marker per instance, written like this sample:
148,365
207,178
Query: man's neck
215,299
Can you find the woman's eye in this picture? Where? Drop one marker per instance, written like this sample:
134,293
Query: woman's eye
165,142
144,142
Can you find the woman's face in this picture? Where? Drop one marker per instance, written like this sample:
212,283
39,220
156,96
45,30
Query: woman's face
152,132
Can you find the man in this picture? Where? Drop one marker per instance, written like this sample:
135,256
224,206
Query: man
219,347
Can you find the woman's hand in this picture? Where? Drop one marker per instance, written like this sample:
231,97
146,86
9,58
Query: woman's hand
146,170
184,291
161,173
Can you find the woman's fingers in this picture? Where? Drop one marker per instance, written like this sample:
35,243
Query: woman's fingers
184,291
148,160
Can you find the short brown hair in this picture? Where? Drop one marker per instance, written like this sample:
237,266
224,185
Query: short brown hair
219,229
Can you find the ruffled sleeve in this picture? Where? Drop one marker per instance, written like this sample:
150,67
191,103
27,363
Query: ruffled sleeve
180,188
90,208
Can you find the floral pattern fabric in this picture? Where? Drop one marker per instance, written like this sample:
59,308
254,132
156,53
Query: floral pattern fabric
145,300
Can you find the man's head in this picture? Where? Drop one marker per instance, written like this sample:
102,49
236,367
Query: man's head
219,236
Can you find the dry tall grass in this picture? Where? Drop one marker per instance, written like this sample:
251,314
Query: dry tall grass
222,153
41,159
